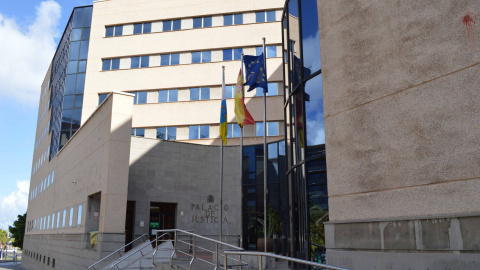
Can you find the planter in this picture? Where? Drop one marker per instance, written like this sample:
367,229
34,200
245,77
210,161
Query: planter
261,245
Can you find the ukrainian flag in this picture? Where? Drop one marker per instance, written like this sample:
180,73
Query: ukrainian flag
223,112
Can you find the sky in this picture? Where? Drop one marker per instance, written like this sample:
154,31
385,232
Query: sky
29,34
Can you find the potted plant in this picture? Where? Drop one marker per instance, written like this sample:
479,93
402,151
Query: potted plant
274,229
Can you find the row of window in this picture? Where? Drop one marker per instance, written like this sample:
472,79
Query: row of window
38,257
41,160
183,58
189,23
45,183
44,133
203,131
50,223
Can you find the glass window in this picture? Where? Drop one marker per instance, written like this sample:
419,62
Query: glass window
229,130
205,95
109,31
259,129
227,55
142,98
76,34
163,96
271,51
74,50
70,218
115,63
140,132
72,67
238,18
177,24
193,132
82,66
58,219
175,59
272,129
271,16
172,95
68,102
229,91
227,19
78,17
258,51
236,130
53,175
87,18
272,89
147,27
80,85
206,56
79,215
70,84
78,101
165,59
196,57
194,93
311,39
86,33
48,222
135,62
260,16
101,98
137,28
118,30
172,133
204,132
64,215
167,26
237,53
207,22
145,61
161,133
197,22
106,64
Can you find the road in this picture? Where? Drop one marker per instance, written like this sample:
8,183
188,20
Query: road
10,265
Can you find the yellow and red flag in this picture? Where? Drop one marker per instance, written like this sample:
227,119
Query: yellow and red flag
241,112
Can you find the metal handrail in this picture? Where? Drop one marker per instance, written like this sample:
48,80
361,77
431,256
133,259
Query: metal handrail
193,247
261,254
118,250
139,250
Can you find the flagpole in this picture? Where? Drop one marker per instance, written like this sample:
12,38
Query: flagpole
221,169
265,150
241,165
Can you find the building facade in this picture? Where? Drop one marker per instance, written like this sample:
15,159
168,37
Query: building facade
127,136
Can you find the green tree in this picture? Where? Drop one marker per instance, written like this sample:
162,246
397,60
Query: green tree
3,238
18,231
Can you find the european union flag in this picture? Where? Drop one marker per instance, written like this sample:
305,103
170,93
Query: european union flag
255,73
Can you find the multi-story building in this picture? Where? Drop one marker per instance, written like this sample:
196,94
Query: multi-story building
128,124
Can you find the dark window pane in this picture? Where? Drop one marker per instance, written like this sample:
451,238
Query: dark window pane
137,28
162,133
271,16
78,101
196,57
70,84
115,63
194,93
314,111
165,60
311,39
145,61
237,53
74,50
133,132
193,132
238,18
135,62
67,116
207,22
172,133
227,19
206,56
271,51
167,26
272,128
260,16
86,33
205,93
78,17
140,132
163,96
76,34
142,97
87,17
80,85
227,54
175,59
177,25
72,67
106,64
258,50
118,30
68,102
197,22
101,98
147,27
109,31
172,95
204,132
77,116
84,49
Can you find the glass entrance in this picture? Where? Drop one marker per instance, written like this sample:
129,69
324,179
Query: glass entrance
162,217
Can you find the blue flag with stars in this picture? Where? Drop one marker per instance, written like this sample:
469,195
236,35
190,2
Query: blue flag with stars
255,73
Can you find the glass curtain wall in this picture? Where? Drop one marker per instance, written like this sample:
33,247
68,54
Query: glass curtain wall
68,78
304,124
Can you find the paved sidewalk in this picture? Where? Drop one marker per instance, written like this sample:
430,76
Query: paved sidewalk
10,265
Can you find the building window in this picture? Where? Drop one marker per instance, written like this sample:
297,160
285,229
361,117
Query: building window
112,31
232,54
58,219
200,93
109,31
169,59
228,19
201,57
238,18
53,174
233,131
139,61
172,25
109,64
139,28
167,96
272,129
271,51
53,221
233,19
202,22
272,90
101,98
139,132
198,132
64,217
167,133
230,91
265,16
140,97
118,30
79,215
70,218
48,222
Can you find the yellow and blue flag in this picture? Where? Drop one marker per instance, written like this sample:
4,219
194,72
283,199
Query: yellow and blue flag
255,73
223,113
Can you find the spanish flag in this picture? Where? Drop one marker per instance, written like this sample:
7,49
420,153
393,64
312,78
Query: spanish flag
241,112
223,112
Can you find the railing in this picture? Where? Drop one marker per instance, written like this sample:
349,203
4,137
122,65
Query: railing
139,250
116,251
263,254
193,247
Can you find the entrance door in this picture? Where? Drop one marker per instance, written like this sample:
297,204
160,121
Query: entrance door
129,222
162,217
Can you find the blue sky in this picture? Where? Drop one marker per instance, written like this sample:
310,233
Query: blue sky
29,32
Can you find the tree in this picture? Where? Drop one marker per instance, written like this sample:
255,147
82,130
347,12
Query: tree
18,231
3,238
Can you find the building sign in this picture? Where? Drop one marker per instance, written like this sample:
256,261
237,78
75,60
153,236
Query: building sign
209,212
154,225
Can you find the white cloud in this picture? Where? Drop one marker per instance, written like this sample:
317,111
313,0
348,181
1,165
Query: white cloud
15,203
26,54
